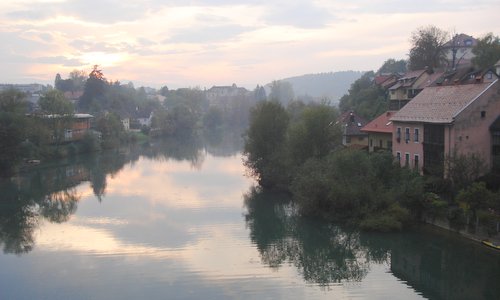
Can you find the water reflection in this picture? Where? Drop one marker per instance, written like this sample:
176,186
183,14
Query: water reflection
48,191
438,265
324,254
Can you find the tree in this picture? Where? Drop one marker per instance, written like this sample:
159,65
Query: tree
265,140
58,112
464,169
476,197
487,51
281,91
315,134
12,128
259,93
111,129
393,66
427,48
79,77
365,98
164,91
93,98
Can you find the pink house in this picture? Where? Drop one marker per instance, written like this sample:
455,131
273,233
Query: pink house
443,120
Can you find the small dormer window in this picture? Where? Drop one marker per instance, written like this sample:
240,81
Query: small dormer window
468,42
483,114
489,75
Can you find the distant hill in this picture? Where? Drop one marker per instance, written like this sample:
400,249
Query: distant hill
332,85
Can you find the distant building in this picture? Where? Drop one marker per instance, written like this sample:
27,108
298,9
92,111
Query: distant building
458,50
351,125
379,132
409,85
33,91
385,81
221,96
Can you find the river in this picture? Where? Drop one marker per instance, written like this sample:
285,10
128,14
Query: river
180,220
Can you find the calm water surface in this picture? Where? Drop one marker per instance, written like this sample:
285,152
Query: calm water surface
181,221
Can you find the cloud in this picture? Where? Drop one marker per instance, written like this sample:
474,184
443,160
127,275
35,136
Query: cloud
302,14
58,60
98,11
207,34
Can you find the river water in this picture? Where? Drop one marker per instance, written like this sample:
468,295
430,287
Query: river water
180,220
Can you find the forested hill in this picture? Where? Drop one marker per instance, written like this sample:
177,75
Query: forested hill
332,85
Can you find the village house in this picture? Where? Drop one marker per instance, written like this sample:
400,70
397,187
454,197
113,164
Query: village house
379,132
458,118
351,125
458,50
409,85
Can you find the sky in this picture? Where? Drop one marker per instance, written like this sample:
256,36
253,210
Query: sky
219,42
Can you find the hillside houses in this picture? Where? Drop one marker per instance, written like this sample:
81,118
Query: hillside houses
447,120
437,115
409,85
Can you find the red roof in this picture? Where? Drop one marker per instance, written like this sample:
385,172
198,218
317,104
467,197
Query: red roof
381,124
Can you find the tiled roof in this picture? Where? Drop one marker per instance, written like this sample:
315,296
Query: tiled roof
381,124
352,125
439,104
430,80
408,79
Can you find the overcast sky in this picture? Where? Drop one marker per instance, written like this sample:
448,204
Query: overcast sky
219,42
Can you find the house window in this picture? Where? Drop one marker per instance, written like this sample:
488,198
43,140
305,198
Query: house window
371,142
483,114
416,161
398,157
416,135
380,143
398,134
407,159
407,134
389,145
347,139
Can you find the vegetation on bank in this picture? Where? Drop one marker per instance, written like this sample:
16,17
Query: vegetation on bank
298,149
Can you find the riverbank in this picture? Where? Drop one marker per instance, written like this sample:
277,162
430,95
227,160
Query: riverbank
474,234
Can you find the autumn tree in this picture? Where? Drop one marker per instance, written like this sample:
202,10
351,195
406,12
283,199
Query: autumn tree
427,48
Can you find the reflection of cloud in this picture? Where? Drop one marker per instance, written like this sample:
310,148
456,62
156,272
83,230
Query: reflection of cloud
96,241
180,185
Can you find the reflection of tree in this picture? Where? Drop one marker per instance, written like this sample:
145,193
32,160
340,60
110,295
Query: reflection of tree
187,148
323,253
223,142
17,220
59,206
